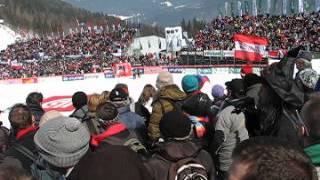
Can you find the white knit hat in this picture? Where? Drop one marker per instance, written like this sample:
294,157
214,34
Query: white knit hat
164,79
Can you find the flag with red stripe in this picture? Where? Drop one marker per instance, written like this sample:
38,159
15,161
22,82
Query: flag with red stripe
250,48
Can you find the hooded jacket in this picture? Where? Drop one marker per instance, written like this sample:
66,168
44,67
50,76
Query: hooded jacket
81,113
163,105
171,152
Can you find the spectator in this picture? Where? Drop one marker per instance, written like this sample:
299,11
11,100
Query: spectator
230,130
13,173
92,122
114,162
143,105
311,130
178,150
168,93
4,140
270,158
62,142
80,103
120,98
34,101
20,118
113,131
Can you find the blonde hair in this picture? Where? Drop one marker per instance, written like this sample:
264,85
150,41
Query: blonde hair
94,101
148,92
106,95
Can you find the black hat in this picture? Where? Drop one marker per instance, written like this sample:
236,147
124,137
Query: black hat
79,99
236,86
107,112
175,124
119,94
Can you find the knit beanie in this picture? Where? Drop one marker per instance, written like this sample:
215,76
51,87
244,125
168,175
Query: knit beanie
190,83
217,91
175,125
107,112
49,116
202,80
247,69
309,78
164,79
236,86
79,99
119,94
62,141
306,57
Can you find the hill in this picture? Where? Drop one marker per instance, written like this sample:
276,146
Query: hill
45,16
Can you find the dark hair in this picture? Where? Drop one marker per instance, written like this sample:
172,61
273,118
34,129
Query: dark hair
122,86
250,80
13,173
34,98
107,111
148,92
79,99
267,158
20,117
311,116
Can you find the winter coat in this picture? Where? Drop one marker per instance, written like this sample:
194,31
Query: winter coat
81,113
25,140
199,105
161,105
253,92
36,111
168,153
112,163
313,152
230,130
142,111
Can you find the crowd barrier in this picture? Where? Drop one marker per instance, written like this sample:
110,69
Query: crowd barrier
184,69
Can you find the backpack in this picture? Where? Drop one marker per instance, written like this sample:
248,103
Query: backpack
135,145
188,169
40,168
177,105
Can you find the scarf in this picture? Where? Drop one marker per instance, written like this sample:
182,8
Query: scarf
112,130
198,122
24,132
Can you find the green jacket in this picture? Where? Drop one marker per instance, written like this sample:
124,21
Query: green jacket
161,105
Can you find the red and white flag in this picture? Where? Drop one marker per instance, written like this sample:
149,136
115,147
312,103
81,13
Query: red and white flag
250,48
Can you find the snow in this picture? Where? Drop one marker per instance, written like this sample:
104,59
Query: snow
181,6
16,93
7,36
167,3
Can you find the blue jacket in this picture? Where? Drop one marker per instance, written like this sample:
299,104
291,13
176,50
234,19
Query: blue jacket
132,121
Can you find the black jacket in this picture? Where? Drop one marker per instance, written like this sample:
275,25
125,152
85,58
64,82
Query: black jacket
27,142
170,152
36,111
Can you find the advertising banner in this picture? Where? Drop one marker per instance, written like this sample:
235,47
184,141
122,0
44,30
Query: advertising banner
153,70
205,71
73,77
91,76
175,70
109,75
31,80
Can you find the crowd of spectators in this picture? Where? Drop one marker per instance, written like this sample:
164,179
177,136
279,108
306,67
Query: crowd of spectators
283,32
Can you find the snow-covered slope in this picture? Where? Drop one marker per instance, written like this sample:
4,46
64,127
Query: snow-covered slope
7,36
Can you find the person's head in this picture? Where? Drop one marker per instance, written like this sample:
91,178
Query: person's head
34,98
49,116
250,80
175,125
118,95
94,101
106,95
310,114
303,60
190,83
13,173
235,88
217,91
122,86
79,99
107,114
20,117
309,78
62,141
164,79
267,158
148,92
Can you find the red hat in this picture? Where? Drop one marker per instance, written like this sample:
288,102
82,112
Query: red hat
247,69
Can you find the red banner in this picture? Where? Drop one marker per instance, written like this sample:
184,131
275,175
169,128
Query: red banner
58,103
250,48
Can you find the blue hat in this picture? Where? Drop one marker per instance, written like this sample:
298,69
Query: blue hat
217,91
190,83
